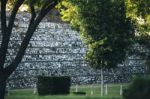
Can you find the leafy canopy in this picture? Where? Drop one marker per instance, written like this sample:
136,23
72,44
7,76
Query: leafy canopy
139,12
104,28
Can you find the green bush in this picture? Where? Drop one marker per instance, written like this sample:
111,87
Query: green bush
53,85
138,89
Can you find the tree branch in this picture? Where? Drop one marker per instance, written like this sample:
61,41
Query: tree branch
45,4
6,31
13,15
33,13
3,16
8,70
3,31
50,5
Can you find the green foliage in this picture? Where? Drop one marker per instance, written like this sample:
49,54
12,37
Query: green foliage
37,4
139,89
53,85
142,6
103,27
139,12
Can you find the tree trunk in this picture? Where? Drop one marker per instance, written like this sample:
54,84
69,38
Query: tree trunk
102,82
2,88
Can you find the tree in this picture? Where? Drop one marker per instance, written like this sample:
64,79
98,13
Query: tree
104,28
139,12
6,31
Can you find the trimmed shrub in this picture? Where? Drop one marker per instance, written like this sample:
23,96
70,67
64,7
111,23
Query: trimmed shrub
138,89
53,85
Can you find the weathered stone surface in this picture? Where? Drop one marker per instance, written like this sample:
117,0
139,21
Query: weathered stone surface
55,49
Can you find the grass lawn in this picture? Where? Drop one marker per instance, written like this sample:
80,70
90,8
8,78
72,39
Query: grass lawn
113,93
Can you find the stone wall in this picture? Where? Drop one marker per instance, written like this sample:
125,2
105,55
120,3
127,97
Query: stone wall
55,49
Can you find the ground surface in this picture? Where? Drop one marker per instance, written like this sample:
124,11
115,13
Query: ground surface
92,92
